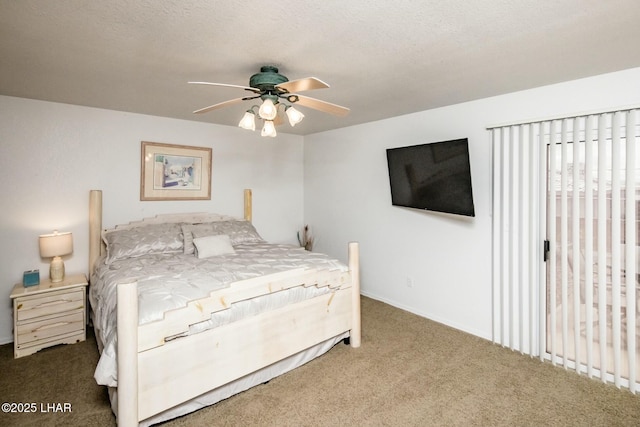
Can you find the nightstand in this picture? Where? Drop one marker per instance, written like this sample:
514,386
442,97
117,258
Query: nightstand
49,314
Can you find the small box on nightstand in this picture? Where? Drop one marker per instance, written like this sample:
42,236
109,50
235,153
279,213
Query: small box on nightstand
31,278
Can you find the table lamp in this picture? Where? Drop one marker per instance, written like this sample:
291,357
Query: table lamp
56,245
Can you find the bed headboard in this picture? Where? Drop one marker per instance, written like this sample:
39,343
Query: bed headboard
97,247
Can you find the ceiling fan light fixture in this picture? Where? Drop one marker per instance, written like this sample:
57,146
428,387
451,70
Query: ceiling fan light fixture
294,116
269,129
248,121
277,94
268,110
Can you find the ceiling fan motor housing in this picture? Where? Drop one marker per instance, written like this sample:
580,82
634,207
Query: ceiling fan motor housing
267,79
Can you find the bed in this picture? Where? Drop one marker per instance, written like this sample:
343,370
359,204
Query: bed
205,309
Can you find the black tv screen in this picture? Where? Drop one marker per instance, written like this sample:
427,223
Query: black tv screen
435,177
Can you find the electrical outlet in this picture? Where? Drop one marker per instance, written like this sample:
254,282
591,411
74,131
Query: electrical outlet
409,282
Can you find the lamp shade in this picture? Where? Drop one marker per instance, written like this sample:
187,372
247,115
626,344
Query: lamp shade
56,244
268,110
268,129
248,121
294,116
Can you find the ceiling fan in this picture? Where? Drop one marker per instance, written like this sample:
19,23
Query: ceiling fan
275,90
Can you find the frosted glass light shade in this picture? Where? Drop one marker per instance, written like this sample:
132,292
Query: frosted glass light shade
268,129
268,110
248,121
294,116
56,245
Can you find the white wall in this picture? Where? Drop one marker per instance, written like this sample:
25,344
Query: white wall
347,197
51,155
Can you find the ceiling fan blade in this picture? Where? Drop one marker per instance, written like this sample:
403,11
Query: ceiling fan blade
301,85
323,106
219,105
252,89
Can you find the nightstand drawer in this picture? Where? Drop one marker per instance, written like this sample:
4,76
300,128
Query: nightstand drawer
49,303
49,328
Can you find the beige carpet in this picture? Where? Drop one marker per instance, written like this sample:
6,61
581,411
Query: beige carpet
409,372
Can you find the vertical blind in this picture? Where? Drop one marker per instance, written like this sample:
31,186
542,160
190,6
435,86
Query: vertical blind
566,208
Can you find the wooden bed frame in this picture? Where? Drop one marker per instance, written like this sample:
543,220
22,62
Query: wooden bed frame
204,361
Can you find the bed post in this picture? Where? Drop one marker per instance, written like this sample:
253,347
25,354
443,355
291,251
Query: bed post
247,204
354,269
95,227
127,354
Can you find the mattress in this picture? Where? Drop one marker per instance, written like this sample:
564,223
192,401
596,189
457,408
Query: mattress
170,280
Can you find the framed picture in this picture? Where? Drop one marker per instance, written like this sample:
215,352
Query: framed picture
174,172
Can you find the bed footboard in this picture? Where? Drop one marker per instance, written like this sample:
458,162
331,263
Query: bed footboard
354,270
127,319
207,360
204,361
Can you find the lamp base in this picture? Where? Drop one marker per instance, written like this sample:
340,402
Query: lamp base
56,270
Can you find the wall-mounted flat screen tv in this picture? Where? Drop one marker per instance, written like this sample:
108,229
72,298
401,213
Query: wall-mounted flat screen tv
435,177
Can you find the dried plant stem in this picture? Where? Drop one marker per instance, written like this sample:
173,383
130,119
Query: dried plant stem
306,239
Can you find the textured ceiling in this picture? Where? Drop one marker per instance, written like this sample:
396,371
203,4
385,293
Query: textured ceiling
382,58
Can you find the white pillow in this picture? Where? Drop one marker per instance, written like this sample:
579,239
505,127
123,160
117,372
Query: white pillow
213,246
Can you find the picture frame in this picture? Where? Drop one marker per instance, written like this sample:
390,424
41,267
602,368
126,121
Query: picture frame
174,172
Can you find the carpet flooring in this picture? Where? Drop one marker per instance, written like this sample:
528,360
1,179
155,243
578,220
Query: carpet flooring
410,371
